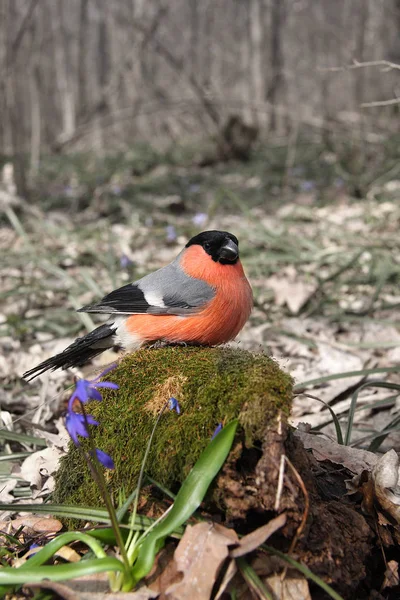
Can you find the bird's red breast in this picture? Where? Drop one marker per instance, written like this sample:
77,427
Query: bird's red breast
219,321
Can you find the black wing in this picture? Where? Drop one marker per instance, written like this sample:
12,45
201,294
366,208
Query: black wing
128,299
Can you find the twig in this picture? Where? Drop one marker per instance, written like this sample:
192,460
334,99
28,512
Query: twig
361,65
380,103
280,483
306,505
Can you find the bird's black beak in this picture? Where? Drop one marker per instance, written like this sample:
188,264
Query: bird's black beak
229,252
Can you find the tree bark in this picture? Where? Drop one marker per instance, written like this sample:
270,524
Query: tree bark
277,60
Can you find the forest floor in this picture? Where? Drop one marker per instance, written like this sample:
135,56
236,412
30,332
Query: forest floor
324,267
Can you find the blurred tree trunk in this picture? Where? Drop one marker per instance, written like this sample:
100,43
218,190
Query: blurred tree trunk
103,72
256,60
36,117
83,36
14,118
194,37
361,33
277,82
207,46
4,130
63,68
244,38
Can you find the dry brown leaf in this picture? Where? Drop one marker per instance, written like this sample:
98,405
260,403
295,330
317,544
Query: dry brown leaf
199,556
164,570
391,575
354,459
5,488
227,578
65,552
289,289
288,588
81,589
253,540
385,477
38,469
37,524
68,554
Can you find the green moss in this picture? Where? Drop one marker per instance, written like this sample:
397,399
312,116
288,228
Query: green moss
212,385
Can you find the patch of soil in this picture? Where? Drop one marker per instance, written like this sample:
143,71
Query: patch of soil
334,539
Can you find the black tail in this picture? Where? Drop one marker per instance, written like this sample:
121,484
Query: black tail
79,352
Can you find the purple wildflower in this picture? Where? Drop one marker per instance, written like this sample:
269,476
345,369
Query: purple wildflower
105,459
307,185
33,547
171,233
116,189
217,430
200,219
173,404
125,262
76,423
86,390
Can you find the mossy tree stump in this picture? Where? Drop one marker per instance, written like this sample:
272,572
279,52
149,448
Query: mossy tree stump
216,385
212,386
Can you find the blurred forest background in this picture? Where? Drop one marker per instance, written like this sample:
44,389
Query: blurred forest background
127,126
96,75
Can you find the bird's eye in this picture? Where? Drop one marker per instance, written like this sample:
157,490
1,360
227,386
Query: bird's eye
207,246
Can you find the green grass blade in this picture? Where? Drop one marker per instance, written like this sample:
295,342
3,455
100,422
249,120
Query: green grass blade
335,420
379,438
122,510
253,580
188,498
22,438
385,402
14,456
299,386
11,576
353,403
61,540
98,515
306,572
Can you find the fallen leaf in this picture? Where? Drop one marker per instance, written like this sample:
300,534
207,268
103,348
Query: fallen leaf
199,556
227,578
80,589
290,289
68,554
385,477
289,588
253,540
354,459
39,467
391,575
37,524
5,488
332,360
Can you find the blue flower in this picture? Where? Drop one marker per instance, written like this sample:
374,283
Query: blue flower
125,262
33,547
86,390
105,459
173,404
76,423
171,233
200,219
217,430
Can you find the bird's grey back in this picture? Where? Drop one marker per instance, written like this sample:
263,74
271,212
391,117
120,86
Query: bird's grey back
176,288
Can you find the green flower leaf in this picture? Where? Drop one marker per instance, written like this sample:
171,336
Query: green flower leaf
188,499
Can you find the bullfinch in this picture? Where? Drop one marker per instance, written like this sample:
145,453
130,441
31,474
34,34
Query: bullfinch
202,297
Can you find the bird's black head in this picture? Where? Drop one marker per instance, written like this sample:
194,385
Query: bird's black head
223,247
